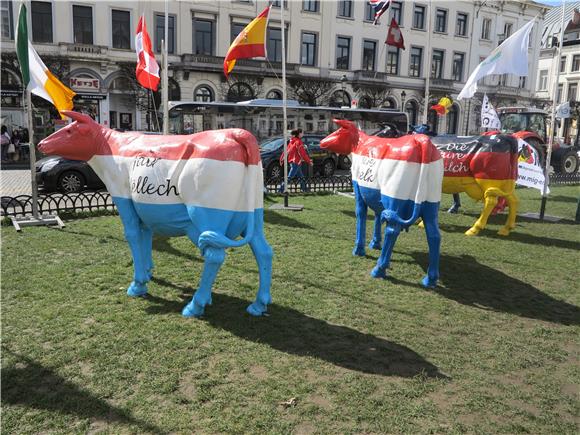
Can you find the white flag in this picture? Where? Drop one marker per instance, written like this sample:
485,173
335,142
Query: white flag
563,110
511,57
489,118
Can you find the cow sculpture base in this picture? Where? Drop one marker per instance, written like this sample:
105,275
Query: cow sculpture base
400,180
206,186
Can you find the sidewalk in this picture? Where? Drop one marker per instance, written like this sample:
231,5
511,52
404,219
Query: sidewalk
14,182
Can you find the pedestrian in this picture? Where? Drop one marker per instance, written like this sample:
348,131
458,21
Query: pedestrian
5,142
296,155
16,139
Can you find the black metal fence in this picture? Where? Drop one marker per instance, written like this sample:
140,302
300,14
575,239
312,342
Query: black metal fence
101,201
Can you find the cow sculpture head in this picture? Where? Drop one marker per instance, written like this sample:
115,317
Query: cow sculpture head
344,140
80,140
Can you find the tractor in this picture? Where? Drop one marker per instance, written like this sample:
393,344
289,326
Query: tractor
529,124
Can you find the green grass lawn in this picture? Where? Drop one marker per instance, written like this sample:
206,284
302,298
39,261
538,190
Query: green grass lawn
493,349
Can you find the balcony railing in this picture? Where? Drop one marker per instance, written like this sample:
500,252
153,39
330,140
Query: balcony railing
67,48
442,83
263,66
374,76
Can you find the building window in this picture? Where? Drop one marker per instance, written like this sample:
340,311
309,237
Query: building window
452,120
340,99
369,54
412,109
310,5
160,32
121,29
204,36
559,94
274,45
342,52
309,43
277,3
369,12
458,61
507,30
503,80
576,63
393,60
240,91
441,21
6,19
543,80
437,64
486,28
572,92
415,63
274,94
236,29
83,24
41,13
397,12
461,25
203,94
345,8
522,83
419,17
563,64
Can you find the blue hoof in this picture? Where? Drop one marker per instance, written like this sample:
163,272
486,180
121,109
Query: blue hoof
378,273
136,289
256,309
428,282
193,310
358,252
375,245
149,275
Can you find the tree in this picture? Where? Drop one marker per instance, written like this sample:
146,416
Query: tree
311,91
375,95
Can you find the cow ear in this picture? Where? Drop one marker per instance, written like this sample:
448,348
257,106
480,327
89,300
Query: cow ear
344,123
76,116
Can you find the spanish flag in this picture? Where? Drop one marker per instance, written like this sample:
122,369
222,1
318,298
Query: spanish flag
35,75
443,106
251,42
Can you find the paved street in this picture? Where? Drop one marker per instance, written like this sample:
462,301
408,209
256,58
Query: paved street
14,182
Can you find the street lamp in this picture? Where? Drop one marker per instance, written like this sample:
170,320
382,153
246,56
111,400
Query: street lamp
343,81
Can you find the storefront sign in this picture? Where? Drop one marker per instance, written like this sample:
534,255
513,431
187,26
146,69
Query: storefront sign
90,97
11,93
84,83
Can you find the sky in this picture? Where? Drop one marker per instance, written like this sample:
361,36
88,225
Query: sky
551,2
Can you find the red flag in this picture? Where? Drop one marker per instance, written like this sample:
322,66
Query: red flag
394,35
147,71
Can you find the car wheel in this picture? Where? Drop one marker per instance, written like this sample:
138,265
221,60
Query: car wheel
71,182
568,162
344,162
275,171
328,168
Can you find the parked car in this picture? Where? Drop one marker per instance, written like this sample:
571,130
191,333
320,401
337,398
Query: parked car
324,161
55,173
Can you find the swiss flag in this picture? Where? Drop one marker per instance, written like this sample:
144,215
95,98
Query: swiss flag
147,71
394,35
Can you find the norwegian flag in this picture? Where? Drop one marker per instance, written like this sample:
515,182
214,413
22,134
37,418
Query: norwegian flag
394,35
381,6
147,71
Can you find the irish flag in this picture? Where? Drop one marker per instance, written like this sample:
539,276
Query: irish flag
35,75
251,42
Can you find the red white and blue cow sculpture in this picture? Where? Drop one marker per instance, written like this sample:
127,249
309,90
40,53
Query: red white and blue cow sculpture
400,180
206,186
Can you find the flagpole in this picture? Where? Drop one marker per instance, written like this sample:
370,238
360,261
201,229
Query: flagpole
284,105
429,61
32,155
553,117
165,80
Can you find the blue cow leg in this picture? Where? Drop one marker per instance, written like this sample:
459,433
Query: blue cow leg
214,258
263,253
134,236
392,231
147,248
376,241
434,242
361,222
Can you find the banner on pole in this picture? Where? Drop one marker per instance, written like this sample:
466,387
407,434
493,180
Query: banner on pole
563,110
489,118
530,171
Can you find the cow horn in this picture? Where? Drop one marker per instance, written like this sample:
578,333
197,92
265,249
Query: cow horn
76,116
344,123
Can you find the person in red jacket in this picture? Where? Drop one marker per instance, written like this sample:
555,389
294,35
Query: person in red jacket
296,155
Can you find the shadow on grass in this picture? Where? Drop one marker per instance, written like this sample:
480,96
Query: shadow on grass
30,384
161,243
293,332
516,236
282,218
468,282
352,214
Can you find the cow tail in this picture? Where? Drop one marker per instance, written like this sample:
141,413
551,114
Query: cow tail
215,240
